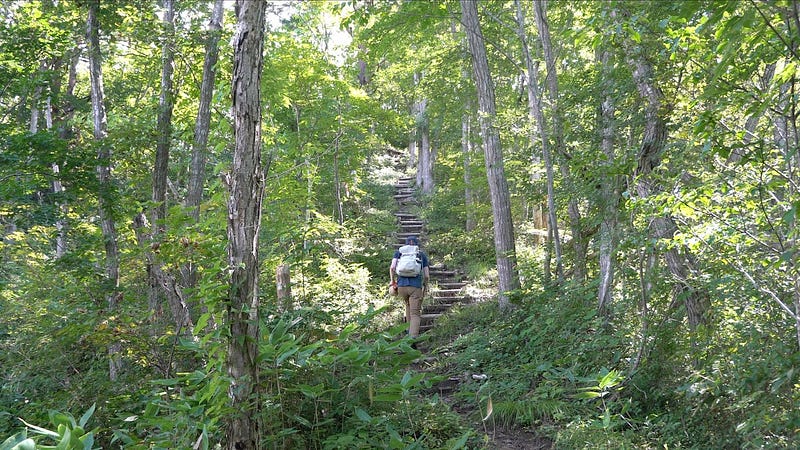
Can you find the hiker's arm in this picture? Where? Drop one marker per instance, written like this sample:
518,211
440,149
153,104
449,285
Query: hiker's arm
426,275
391,270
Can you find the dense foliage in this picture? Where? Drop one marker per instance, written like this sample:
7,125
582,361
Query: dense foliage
698,347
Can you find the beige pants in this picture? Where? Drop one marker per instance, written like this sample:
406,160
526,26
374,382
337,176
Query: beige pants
412,297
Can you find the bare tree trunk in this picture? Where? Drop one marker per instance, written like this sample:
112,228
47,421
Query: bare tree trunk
681,263
107,224
197,170
194,194
425,158
412,149
64,132
283,283
466,150
425,169
578,240
536,113
505,246
56,186
337,182
164,122
610,190
246,185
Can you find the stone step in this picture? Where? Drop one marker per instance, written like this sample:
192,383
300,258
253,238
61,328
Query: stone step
443,273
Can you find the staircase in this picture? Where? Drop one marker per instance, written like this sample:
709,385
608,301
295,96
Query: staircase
446,286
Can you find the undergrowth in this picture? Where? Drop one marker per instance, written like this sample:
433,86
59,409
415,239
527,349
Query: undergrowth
551,365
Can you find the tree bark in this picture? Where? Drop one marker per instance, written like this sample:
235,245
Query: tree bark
466,151
164,122
194,194
425,156
283,283
246,185
536,113
107,224
578,240
610,186
505,246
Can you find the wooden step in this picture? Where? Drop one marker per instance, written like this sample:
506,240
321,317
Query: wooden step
450,301
456,285
439,293
428,318
436,308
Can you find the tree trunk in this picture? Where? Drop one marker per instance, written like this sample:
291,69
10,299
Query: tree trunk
425,158
610,196
246,184
425,168
283,283
197,177
107,225
681,263
164,122
466,150
505,246
536,113
578,241
197,170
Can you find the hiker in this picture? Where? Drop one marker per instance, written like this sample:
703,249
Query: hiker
409,273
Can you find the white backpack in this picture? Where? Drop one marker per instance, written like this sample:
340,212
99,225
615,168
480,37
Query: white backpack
410,262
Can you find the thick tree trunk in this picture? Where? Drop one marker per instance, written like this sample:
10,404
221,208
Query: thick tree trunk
505,246
107,223
194,194
536,113
578,240
425,157
246,184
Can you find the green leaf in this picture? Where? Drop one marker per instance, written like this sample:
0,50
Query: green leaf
460,443
19,441
363,415
85,417
588,394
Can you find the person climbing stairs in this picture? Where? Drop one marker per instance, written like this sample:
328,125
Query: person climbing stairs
446,287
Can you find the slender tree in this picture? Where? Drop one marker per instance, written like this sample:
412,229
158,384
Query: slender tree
578,240
505,247
194,194
537,114
107,223
610,196
166,104
246,185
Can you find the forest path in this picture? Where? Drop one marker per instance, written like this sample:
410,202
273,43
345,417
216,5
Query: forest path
448,289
